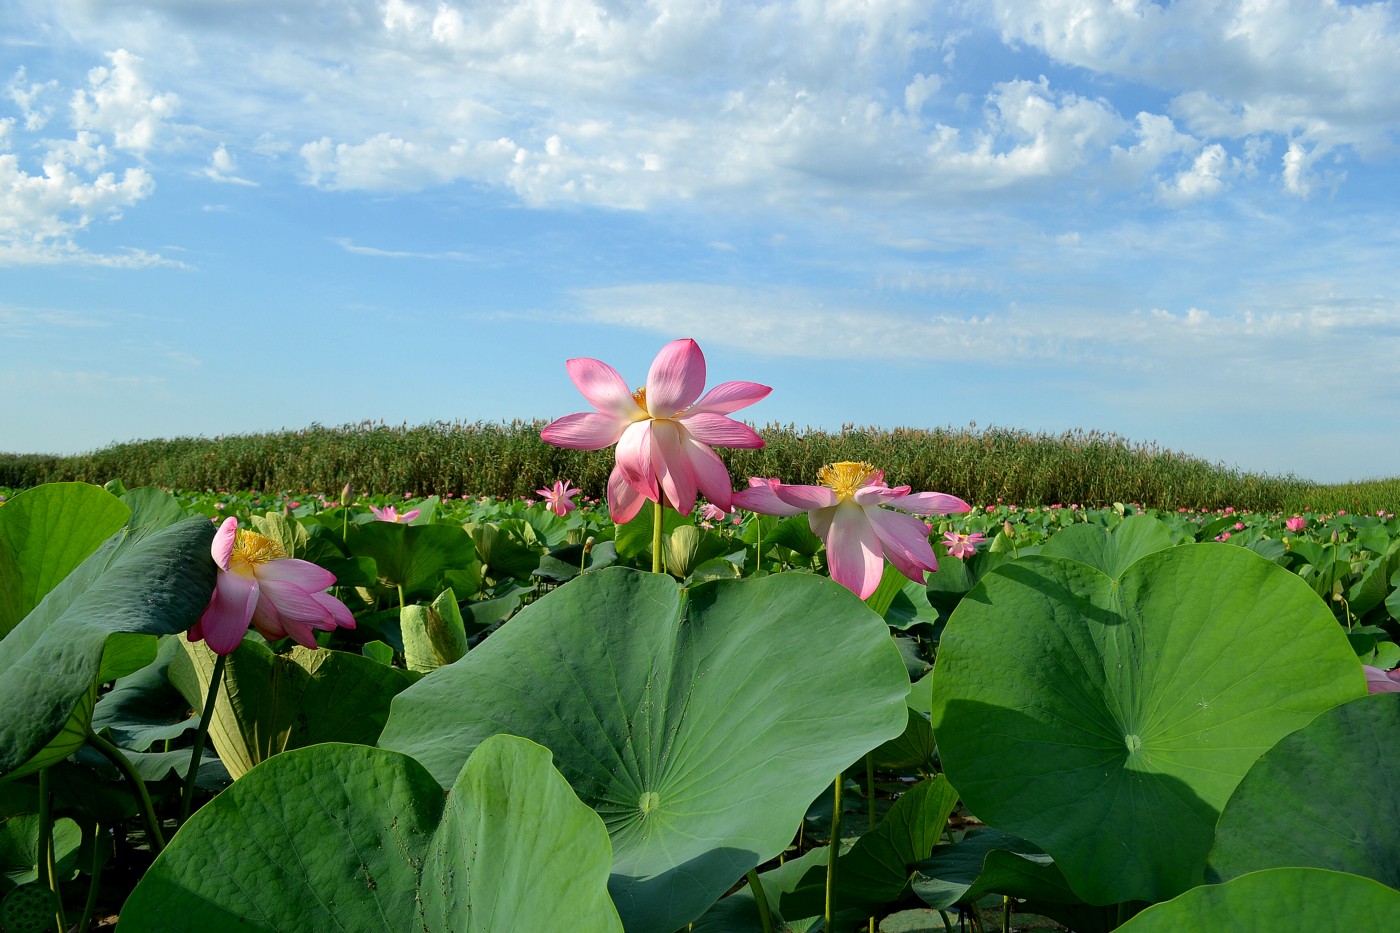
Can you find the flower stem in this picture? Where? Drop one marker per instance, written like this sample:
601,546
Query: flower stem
870,791
832,855
123,764
197,752
765,913
90,907
657,525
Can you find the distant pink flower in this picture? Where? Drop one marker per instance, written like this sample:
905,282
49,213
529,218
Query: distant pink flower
962,545
1296,524
1223,536
662,432
559,498
281,596
846,512
1379,681
1239,526
391,514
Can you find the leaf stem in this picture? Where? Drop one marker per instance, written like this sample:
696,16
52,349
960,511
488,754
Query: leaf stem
765,913
197,752
44,849
90,907
123,764
833,854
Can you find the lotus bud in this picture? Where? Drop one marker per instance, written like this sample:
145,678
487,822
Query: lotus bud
1007,528
347,495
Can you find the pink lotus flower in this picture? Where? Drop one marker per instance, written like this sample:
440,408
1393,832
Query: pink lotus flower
663,434
281,596
559,498
1379,681
1296,524
391,514
846,512
961,545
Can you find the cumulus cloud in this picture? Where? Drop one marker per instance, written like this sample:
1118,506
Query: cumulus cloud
223,168
45,201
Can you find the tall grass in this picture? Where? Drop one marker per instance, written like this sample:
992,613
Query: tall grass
482,458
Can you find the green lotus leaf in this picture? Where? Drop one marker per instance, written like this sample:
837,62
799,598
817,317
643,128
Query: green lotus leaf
1276,899
347,837
412,556
1111,550
1323,797
699,724
51,661
273,702
1109,721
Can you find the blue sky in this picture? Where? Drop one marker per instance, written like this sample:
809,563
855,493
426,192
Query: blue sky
1177,222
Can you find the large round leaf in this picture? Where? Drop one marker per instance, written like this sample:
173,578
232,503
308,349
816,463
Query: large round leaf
1111,550
699,726
1109,722
1275,900
1327,796
156,585
346,837
48,531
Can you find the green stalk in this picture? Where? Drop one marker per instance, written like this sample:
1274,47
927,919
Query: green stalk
198,750
832,855
123,764
657,525
870,790
90,907
44,857
765,913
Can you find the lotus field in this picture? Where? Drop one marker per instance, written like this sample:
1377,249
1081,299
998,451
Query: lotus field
692,702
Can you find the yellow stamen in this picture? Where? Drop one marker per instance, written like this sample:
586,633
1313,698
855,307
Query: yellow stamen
640,397
846,477
251,549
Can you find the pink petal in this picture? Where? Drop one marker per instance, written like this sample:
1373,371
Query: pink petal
410,515
872,494
805,498
340,613
731,396
624,502
604,388
673,468
635,457
300,633
225,619
292,603
904,540
586,430
719,430
1379,681
760,498
300,573
932,503
675,379
853,552
222,546
711,475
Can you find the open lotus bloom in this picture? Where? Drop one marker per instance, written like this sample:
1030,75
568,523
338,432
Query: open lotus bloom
1297,523
281,596
1379,681
391,514
962,545
559,498
663,431
853,512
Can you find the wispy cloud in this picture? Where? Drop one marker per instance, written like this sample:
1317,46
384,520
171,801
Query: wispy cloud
351,247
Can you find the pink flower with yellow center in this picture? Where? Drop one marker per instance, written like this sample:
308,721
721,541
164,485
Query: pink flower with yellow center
281,596
391,514
962,545
559,498
663,431
848,511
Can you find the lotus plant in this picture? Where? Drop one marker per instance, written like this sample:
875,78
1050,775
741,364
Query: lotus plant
962,545
1295,524
559,498
849,512
663,430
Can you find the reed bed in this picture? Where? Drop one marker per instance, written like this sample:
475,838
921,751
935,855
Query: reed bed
1090,468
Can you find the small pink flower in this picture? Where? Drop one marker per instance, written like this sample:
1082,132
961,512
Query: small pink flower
962,545
1239,526
559,498
710,512
663,431
847,513
391,514
1223,536
281,596
1296,524
1379,681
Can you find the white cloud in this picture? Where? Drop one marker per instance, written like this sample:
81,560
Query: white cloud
119,102
223,168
